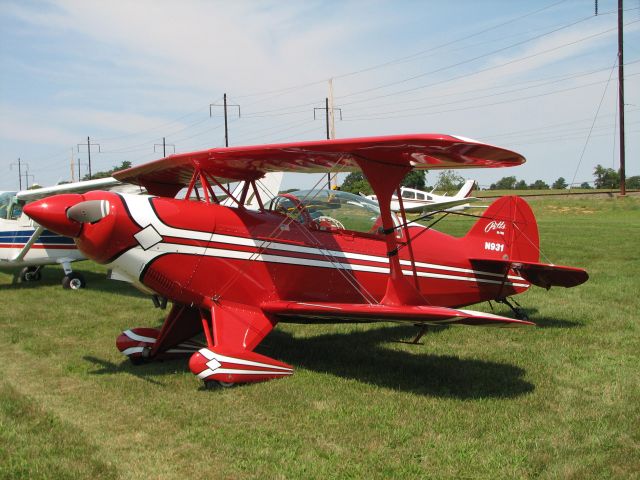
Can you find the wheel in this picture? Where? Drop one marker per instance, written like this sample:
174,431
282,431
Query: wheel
30,274
136,360
74,281
212,384
521,314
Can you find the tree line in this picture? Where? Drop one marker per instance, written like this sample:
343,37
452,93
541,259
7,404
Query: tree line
603,178
449,181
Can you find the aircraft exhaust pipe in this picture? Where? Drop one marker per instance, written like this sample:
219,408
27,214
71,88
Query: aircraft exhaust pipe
89,211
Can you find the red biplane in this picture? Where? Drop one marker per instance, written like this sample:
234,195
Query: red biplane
322,256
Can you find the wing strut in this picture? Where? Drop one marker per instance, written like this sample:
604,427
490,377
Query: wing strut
34,237
385,178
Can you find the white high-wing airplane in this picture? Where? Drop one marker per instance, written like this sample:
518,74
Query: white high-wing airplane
418,201
24,243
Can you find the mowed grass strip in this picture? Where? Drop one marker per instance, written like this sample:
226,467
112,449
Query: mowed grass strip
557,401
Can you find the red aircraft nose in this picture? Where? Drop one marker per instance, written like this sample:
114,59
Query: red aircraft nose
51,213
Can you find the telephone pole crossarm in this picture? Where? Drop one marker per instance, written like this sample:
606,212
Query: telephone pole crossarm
164,146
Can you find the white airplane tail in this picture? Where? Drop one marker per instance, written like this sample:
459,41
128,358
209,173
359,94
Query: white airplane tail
267,186
466,189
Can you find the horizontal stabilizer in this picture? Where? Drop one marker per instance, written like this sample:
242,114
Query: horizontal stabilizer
360,312
541,274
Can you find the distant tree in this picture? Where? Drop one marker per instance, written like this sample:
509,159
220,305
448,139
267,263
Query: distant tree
559,184
633,182
521,185
414,179
606,177
123,166
585,185
539,185
505,183
449,181
63,182
356,183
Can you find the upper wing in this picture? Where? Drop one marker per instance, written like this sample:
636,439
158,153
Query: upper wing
417,314
109,183
424,151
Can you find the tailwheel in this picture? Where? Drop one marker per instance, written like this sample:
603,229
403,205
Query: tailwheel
74,281
30,274
518,312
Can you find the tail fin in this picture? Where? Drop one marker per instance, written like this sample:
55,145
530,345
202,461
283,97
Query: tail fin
506,231
466,189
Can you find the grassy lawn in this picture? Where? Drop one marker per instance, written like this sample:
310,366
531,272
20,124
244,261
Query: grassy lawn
558,401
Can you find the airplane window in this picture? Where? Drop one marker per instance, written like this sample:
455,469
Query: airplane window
420,196
16,210
5,201
408,194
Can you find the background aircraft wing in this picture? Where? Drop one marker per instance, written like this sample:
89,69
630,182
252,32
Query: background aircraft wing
108,183
441,206
416,314
424,151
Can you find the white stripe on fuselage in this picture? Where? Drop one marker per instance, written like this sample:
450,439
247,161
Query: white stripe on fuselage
143,213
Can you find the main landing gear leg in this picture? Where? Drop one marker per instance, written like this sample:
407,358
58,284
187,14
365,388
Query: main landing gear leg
517,309
72,280
176,338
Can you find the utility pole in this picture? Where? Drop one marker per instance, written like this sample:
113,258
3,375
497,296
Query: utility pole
623,187
225,105
72,168
164,147
19,164
88,144
26,177
328,124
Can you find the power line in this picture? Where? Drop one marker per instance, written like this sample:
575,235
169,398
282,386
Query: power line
467,75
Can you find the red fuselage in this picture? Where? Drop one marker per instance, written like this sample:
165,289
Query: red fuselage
192,252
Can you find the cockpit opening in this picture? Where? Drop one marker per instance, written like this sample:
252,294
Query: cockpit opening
330,210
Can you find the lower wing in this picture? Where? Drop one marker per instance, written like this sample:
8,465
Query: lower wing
416,314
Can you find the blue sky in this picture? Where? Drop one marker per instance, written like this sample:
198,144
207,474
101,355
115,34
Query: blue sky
527,75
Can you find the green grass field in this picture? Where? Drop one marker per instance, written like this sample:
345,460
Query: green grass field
558,401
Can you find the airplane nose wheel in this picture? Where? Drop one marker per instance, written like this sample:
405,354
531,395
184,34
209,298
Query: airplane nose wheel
30,274
74,281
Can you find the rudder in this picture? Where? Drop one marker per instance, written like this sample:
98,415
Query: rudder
506,231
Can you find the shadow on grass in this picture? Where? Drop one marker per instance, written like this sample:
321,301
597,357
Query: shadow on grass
362,356
143,371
